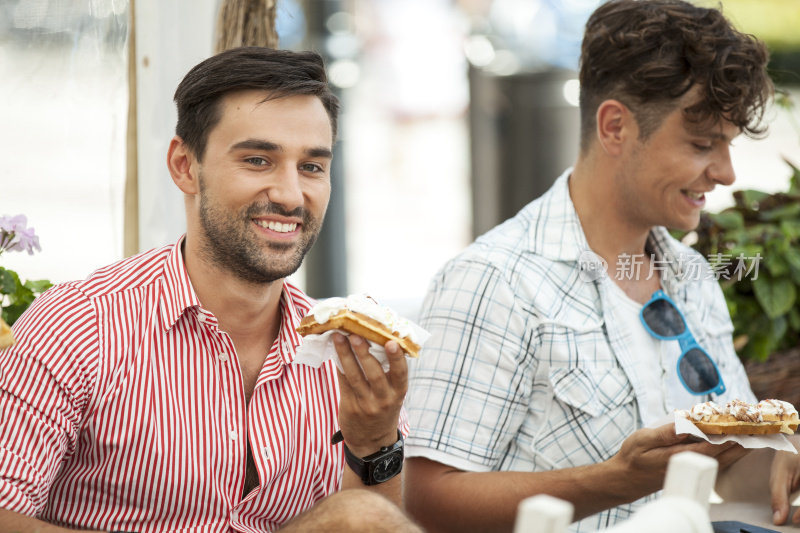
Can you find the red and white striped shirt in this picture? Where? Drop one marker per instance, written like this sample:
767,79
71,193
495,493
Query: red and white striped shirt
123,407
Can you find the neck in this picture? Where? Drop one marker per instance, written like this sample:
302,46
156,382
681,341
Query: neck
243,309
602,213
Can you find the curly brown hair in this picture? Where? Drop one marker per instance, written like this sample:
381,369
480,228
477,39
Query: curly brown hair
649,53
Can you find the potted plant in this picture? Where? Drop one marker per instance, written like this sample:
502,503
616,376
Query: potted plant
16,295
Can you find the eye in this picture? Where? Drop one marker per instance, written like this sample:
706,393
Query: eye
702,147
311,167
257,161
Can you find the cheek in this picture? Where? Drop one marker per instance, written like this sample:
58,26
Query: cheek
317,195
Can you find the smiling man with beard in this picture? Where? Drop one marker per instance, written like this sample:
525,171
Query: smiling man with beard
160,393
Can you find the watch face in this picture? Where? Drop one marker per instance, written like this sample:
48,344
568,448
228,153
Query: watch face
387,467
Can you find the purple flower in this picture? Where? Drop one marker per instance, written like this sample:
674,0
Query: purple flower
15,236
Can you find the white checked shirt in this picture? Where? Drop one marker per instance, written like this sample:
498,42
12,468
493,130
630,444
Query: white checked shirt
123,408
528,367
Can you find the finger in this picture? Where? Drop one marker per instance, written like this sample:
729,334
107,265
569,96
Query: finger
706,448
351,370
398,367
665,435
779,515
779,488
796,516
370,366
731,455
719,449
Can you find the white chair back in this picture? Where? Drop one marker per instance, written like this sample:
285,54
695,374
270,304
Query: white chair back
543,514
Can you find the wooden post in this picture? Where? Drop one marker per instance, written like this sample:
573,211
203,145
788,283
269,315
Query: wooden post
246,23
131,209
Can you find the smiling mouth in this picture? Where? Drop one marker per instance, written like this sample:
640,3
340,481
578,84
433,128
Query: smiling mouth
695,195
277,226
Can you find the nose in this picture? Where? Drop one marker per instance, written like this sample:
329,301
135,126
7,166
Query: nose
721,170
285,189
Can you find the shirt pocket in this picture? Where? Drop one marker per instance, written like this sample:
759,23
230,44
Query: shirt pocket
591,390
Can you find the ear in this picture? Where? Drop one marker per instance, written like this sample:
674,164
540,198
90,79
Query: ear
182,166
615,126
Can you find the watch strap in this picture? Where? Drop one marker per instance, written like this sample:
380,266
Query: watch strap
359,465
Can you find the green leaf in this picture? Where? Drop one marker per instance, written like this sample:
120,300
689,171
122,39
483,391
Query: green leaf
790,229
747,250
775,296
764,337
758,347
9,281
776,265
728,219
38,286
761,233
792,257
12,312
794,319
794,180
775,259
19,295
749,198
788,211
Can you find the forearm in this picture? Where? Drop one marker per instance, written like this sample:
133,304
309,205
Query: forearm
19,523
392,489
488,501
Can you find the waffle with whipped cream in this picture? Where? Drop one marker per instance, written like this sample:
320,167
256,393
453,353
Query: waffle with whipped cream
741,418
360,315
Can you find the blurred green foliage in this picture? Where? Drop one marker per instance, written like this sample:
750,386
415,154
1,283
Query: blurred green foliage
762,304
19,295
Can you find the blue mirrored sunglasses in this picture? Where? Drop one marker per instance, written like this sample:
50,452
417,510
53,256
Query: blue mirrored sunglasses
697,371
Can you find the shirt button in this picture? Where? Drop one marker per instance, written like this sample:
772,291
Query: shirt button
233,434
201,318
222,356
234,515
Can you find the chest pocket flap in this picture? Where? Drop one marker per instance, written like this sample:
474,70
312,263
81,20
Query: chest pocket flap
593,390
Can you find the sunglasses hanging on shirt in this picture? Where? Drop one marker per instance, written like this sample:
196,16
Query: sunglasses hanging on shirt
696,370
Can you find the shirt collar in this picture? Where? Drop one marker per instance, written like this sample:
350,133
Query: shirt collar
177,293
556,231
294,305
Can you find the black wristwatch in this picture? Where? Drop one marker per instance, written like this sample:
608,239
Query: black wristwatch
378,467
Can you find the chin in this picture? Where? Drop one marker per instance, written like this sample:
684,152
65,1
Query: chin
684,225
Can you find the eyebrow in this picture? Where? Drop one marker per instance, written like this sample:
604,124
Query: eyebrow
267,146
716,135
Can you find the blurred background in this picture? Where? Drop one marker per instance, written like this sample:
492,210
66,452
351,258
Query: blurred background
455,115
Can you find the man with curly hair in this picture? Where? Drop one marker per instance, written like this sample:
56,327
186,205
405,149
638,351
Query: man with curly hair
563,338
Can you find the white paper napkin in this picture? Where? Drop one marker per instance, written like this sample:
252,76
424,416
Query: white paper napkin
316,349
777,441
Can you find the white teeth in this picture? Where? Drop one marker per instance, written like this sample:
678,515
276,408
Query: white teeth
277,226
694,195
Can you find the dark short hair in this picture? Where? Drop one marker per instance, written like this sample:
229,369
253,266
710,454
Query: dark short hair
280,73
649,53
